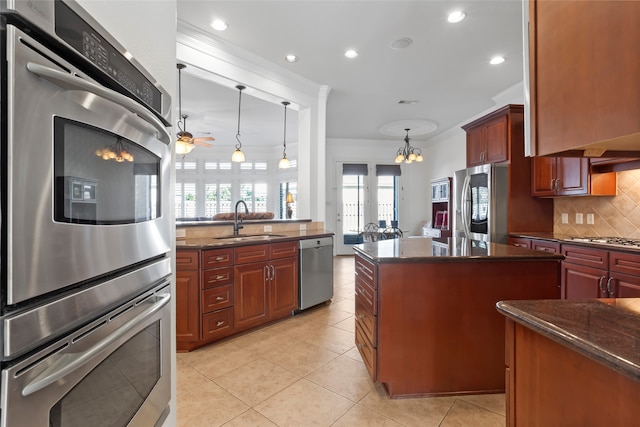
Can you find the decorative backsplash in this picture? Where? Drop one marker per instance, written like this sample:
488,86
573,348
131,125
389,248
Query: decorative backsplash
613,216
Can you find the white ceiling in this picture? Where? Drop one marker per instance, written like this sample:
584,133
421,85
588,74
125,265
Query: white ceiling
446,68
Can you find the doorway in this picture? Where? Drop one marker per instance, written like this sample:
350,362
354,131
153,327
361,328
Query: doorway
367,193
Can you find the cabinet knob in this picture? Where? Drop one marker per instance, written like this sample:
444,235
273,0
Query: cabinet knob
220,323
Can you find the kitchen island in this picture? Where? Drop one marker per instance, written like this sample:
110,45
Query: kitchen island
572,363
426,322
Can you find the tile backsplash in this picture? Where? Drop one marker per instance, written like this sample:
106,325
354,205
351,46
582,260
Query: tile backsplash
613,216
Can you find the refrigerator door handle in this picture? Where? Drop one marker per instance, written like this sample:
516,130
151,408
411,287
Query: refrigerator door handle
465,200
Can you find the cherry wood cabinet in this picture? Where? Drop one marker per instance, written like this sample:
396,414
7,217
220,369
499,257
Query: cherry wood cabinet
431,327
584,272
569,176
223,291
489,138
549,384
584,75
624,275
266,278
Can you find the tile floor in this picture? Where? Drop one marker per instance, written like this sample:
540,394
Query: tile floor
306,371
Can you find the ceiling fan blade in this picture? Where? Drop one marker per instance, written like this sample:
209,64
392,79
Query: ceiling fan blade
202,144
204,138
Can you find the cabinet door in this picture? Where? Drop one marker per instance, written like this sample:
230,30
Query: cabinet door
624,285
579,281
187,307
251,298
573,176
581,70
475,146
543,175
497,147
283,287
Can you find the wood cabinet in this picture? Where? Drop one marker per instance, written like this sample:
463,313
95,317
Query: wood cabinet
489,138
598,273
431,328
266,278
569,176
583,72
223,291
441,207
548,384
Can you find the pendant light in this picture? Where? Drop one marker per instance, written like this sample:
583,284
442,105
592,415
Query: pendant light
407,153
238,155
284,162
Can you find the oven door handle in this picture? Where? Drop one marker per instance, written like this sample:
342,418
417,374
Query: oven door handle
69,81
72,361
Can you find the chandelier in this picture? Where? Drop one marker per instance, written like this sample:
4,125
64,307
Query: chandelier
118,152
407,153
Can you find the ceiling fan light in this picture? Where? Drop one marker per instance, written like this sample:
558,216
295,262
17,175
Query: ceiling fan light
237,156
183,147
284,163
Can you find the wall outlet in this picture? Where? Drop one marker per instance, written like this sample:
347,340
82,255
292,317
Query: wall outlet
590,219
565,218
579,218
267,229
181,232
303,227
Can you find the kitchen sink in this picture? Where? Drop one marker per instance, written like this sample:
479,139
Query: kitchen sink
244,237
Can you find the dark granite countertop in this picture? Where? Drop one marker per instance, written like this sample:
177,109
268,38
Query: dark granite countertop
248,239
456,249
605,330
565,239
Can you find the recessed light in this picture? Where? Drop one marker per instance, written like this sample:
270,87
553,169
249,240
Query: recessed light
456,16
291,58
497,60
219,24
402,43
351,53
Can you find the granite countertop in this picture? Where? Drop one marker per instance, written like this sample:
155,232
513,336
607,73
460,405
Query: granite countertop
605,330
567,239
216,242
419,249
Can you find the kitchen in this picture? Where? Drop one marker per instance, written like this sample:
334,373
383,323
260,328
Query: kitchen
166,71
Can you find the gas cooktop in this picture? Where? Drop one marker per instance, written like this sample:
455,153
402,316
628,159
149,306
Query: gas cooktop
612,241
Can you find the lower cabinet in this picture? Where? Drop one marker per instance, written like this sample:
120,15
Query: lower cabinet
223,291
366,334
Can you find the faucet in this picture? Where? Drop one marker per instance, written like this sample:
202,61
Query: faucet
237,225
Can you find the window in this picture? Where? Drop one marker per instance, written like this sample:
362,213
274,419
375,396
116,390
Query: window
186,200
288,210
217,198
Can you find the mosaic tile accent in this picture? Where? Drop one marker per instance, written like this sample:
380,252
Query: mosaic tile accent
613,216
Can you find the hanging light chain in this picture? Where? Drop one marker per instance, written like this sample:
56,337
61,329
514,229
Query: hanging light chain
284,141
240,89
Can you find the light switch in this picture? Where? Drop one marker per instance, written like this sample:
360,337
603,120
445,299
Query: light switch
565,218
590,218
579,219
267,229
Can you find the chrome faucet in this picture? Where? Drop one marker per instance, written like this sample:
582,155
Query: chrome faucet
237,225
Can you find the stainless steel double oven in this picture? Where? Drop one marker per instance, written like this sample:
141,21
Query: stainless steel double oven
85,228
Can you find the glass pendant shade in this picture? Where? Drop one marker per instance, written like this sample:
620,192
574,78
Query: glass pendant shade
284,163
237,156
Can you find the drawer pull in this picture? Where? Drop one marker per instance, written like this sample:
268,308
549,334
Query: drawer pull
219,298
220,323
220,258
220,277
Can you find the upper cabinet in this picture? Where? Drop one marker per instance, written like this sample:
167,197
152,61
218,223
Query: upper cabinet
583,70
569,176
490,137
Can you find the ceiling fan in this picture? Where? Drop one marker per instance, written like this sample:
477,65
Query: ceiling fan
186,141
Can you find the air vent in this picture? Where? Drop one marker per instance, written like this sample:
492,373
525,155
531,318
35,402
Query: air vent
408,101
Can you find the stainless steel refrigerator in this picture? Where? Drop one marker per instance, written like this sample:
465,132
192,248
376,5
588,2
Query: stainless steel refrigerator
480,203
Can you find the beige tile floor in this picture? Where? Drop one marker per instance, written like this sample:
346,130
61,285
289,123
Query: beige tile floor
306,371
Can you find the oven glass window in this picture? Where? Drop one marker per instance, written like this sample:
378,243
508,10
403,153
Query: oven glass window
102,178
110,395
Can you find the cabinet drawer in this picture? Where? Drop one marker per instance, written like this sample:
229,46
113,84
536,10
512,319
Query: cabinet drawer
218,324
366,272
283,250
186,260
624,262
521,242
367,352
217,277
545,246
589,257
367,296
217,298
367,322
253,253
213,258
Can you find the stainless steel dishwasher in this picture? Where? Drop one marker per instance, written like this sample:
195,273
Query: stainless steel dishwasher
316,271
